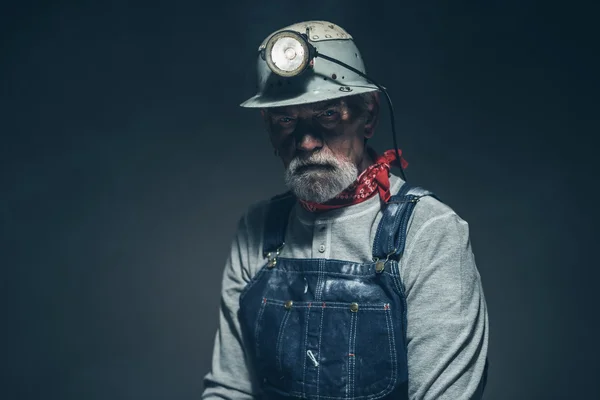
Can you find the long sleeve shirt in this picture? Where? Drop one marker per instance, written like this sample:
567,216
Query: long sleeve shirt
447,320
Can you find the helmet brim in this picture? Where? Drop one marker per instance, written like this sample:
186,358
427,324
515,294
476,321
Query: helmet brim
260,100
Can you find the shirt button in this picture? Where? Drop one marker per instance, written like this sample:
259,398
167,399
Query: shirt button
322,248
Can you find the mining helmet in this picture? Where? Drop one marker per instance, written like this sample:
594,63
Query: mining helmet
295,67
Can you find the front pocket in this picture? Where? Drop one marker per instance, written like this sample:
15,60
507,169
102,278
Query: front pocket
277,346
332,350
358,350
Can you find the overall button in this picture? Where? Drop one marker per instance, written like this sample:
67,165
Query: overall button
322,248
380,266
288,304
354,307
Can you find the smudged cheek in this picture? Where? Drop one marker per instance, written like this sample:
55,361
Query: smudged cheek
280,137
285,146
341,144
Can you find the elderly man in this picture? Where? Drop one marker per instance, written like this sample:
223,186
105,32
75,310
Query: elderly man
354,284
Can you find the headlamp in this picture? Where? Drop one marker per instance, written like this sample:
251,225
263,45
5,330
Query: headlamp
288,53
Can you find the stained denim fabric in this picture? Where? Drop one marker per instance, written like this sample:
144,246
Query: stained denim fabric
330,329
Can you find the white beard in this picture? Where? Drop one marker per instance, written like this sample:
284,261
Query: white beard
326,178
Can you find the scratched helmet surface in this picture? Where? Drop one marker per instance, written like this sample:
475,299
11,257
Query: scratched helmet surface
322,79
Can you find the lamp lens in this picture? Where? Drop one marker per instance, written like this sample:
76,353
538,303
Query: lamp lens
288,54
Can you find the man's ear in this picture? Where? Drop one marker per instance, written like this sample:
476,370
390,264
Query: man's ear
372,115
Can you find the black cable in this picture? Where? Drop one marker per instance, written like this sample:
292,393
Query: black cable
387,96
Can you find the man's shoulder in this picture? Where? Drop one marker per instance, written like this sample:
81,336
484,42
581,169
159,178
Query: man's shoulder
431,206
433,212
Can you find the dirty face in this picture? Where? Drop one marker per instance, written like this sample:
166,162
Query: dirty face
322,145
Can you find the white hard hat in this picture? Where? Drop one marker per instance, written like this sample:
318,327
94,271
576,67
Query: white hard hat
312,79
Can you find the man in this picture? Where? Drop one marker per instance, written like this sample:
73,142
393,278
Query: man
354,284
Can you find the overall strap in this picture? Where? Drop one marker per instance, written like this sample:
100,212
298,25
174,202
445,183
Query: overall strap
391,233
276,222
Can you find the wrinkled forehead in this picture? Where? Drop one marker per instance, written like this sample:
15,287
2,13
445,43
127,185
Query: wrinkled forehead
354,105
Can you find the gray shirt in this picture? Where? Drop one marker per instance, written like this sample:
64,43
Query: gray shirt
447,322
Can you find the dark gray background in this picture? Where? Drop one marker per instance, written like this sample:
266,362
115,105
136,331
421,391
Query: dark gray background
126,163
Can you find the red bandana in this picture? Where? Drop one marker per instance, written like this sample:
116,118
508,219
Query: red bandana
374,179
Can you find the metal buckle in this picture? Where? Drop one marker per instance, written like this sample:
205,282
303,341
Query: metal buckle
380,265
272,256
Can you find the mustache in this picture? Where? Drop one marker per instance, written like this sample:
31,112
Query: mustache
310,163
314,160
298,166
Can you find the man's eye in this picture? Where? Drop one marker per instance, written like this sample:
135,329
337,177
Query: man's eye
328,114
285,120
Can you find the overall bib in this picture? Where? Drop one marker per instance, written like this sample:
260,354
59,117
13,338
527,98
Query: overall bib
330,329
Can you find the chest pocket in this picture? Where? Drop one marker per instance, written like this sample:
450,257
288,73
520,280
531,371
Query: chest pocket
334,348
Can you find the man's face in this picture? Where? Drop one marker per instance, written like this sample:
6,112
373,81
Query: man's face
322,144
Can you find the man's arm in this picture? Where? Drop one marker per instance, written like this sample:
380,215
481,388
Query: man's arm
230,376
447,330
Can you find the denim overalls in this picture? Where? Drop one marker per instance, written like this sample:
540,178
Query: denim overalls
330,329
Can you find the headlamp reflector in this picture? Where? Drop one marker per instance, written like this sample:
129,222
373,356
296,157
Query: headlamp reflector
287,53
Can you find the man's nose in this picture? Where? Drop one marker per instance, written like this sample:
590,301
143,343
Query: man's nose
307,140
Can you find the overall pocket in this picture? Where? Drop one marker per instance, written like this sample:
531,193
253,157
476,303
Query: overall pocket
332,350
278,345
358,353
